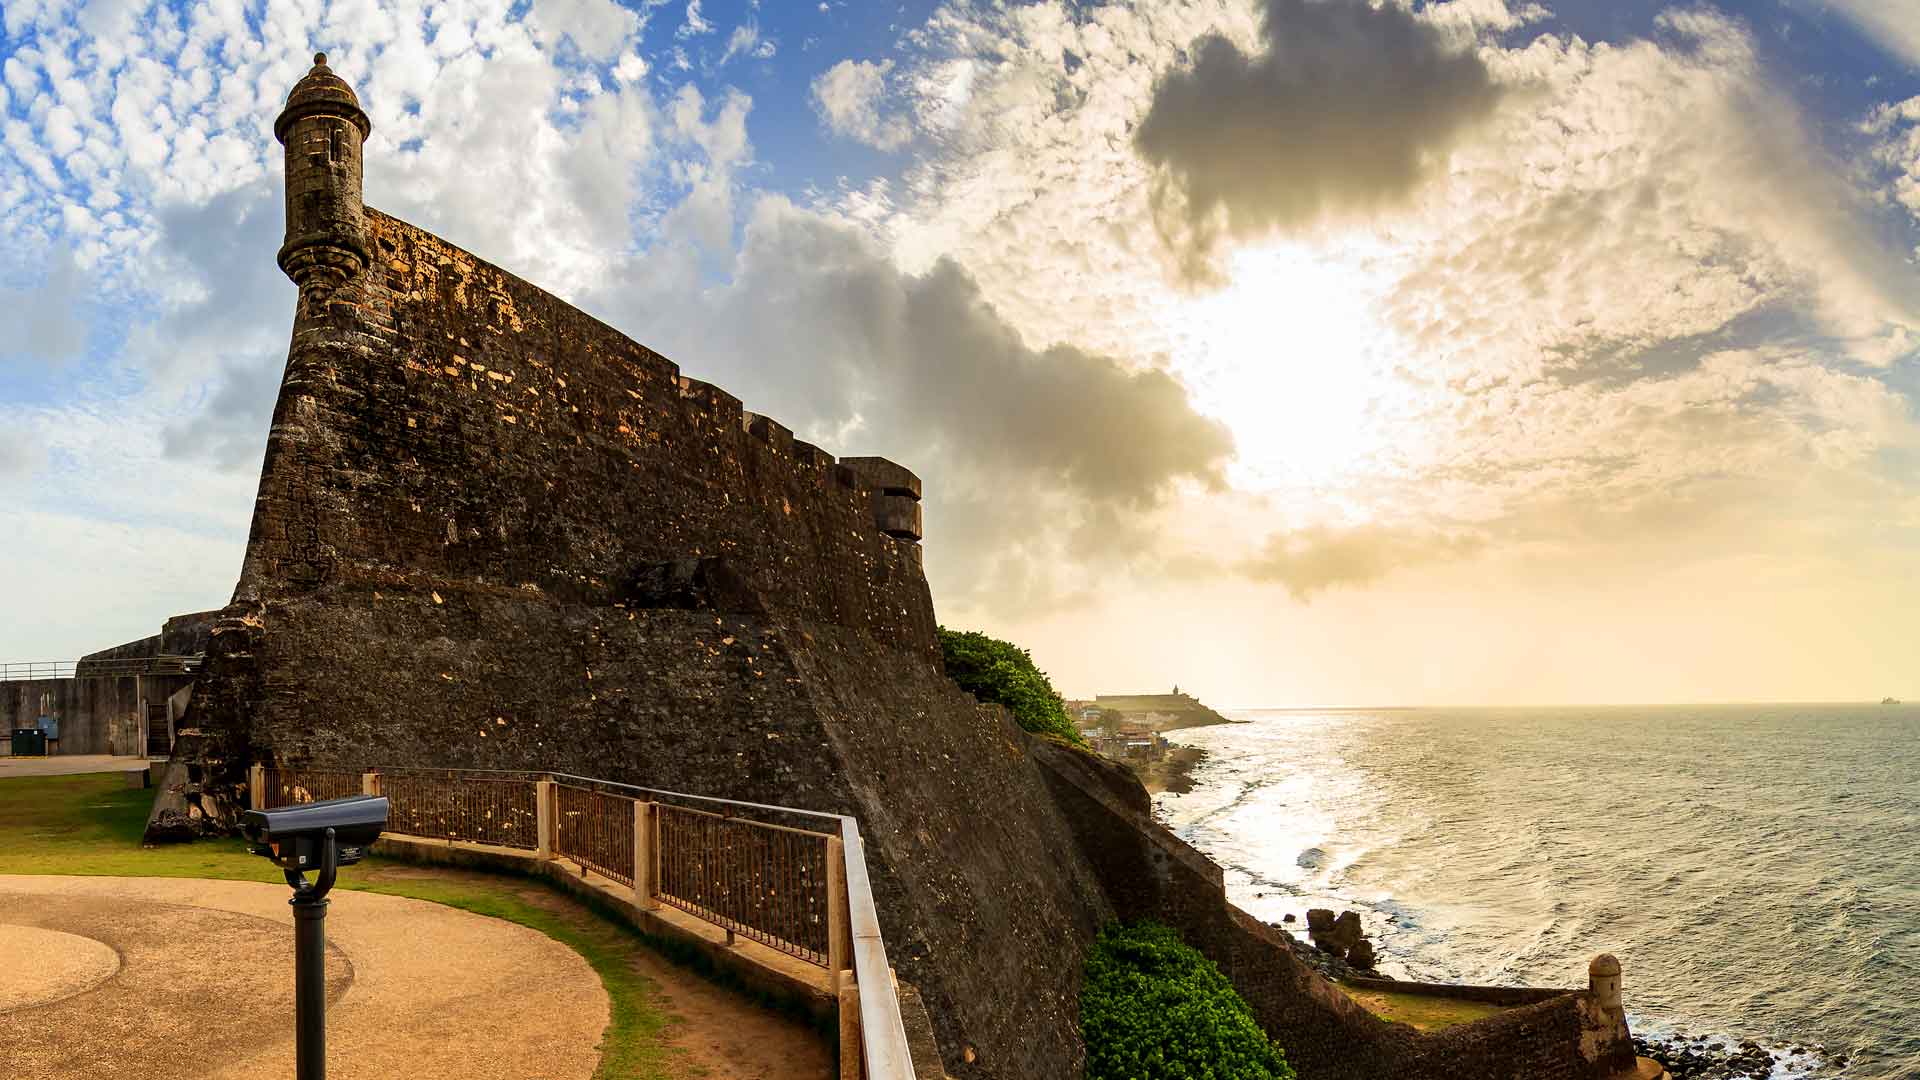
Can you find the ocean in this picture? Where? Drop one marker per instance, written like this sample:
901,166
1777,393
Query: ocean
1756,868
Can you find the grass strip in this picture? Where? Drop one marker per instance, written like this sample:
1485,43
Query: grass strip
91,824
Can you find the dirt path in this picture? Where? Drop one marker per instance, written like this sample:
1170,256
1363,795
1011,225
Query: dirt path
204,987
729,1038
712,1032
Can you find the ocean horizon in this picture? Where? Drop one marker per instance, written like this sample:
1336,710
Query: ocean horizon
1756,867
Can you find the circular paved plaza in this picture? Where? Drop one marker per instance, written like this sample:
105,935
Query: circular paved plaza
162,978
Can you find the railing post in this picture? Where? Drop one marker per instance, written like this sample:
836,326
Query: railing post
839,915
370,783
257,787
852,1054
643,855
545,817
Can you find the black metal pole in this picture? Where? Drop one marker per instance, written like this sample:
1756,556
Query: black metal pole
310,986
310,963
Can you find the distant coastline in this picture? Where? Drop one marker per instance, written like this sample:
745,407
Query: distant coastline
1131,728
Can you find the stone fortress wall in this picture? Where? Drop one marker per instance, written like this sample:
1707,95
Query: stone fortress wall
492,532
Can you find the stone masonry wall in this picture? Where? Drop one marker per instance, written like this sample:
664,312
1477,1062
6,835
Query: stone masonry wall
492,532
441,418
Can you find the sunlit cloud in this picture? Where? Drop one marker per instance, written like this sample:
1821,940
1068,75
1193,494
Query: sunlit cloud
1298,305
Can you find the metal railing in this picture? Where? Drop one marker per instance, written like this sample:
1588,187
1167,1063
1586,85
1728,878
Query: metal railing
24,670
285,787
595,829
767,882
803,891
478,809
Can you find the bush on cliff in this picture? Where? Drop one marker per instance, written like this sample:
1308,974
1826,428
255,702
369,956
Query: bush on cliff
1003,673
1151,1008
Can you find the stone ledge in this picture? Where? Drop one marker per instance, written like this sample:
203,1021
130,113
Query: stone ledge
1491,995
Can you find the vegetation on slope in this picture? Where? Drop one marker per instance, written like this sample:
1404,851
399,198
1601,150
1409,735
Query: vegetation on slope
1003,673
1152,1007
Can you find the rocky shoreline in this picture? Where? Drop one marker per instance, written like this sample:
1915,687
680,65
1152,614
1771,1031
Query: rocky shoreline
1172,773
1693,1057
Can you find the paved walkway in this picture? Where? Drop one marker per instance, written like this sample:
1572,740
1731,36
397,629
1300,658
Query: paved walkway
200,984
67,764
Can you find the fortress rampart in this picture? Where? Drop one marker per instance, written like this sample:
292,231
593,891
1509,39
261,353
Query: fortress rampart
492,532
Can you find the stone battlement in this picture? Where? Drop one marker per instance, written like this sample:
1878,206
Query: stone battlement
446,368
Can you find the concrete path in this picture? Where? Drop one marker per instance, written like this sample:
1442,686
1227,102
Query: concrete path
67,764
200,984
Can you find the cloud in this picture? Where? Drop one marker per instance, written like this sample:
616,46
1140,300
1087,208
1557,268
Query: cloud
19,457
598,28
1346,108
920,368
1895,130
1321,557
229,430
1894,25
695,24
847,96
45,323
746,41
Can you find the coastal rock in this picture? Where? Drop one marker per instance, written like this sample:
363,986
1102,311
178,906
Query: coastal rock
1361,955
1319,920
1329,966
1346,930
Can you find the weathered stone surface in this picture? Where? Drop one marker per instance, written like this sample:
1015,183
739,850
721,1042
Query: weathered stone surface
173,818
493,532
322,128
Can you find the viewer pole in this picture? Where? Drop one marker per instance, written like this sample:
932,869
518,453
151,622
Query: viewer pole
310,965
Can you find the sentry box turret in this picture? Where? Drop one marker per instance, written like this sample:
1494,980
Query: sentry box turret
296,837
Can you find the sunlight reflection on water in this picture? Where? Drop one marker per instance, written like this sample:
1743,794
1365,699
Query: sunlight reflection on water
1755,867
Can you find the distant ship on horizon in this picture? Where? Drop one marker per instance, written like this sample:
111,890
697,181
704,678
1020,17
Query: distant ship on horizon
1889,701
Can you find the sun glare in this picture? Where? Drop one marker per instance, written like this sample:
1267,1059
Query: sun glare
1290,356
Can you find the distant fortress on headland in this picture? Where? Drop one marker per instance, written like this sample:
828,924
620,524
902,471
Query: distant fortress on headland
1163,712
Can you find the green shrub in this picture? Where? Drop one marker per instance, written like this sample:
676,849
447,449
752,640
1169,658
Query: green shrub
1152,1008
1003,673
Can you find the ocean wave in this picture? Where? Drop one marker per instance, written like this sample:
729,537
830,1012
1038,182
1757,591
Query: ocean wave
1746,899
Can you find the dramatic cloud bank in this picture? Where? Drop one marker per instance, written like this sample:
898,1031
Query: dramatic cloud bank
1401,340
1345,107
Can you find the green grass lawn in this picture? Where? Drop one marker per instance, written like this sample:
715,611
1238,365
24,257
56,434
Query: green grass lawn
1423,1012
91,824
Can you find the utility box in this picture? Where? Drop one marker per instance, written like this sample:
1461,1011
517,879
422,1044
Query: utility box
29,742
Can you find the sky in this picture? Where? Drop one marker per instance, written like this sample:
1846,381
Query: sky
1299,352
